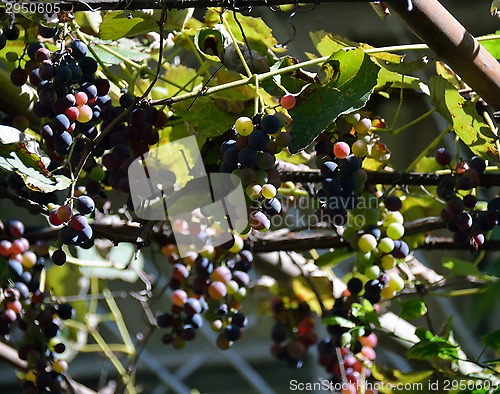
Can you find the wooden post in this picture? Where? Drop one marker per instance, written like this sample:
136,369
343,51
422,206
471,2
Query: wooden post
435,26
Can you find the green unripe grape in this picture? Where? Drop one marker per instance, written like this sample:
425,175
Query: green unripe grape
360,148
253,191
395,230
396,283
386,245
349,232
371,216
352,118
268,191
393,217
97,174
387,262
372,272
244,126
363,125
387,293
367,243
365,260
261,177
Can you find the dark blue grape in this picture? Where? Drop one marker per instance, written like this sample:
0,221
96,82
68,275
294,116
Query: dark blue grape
65,311
232,332
272,206
126,100
59,257
63,74
85,205
230,156
247,157
350,165
329,169
331,186
270,124
78,49
88,65
258,140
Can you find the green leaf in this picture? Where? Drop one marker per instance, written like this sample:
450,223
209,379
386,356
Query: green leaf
122,260
492,339
431,346
355,76
210,43
21,154
204,117
116,25
258,35
338,321
392,80
412,309
467,123
465,268
331,259
493,46
124,48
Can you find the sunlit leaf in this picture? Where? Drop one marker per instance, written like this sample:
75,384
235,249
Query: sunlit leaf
353,77
210,43
465,268
116,25
467,123
21,154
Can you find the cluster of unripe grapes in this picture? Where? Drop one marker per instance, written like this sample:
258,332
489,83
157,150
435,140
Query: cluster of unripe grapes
379,244
293,331
76,229
208,285
466,217
27,320
251,156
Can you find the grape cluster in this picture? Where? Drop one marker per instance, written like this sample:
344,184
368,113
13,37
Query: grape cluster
346,352
211,284
76,230
293,332
127,141
27,319
340,163
251,156
69,95
462,213
377,240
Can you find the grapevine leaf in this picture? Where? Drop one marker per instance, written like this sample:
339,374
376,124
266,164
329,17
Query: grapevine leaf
210,43
352,79
412,309
390,79
431,346
257,33
493,46
465,268
124,48
492,339
331,259
21,154
205,117
467,123
114,266
116,25
338,321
